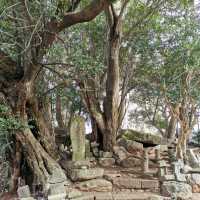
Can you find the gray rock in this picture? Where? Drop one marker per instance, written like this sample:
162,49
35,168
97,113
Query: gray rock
77,135
178,189
24,192
106,162
95,185
85,174
27,198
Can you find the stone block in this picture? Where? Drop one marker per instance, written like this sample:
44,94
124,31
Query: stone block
77,135
95,185
103,196
61,196
127,183
106,162
176,189
85,174
131,162
57,188
167,178
149,184
74,193
24,192
107,154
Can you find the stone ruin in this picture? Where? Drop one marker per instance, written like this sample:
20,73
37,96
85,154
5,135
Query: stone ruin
136,168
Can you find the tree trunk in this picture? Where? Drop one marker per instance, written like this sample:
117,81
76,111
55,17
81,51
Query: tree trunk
59,116
112,100
38,152
171,130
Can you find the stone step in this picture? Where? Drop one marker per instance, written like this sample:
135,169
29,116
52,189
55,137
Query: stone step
127,182
120,196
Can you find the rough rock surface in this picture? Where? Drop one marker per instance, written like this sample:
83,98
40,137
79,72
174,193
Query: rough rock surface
97,185
106,162
85,174
176,189
145,138
77,135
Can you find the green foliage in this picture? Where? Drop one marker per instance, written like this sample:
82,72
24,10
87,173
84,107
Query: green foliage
8,126
196,137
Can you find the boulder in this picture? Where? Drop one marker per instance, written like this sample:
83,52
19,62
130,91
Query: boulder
176,189
77,135
145,138
132,147
106,162
85,174
95,185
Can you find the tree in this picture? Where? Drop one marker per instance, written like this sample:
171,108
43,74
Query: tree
35,31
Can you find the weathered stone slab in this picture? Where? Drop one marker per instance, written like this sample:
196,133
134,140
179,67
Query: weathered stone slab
58,176
96,185
28,198
61,196
103,196
146,138
74,193
131,162
77,164
86,197
88,152
77,135
106,162
24,192
85,174
107,154
150,184
170,177
57,188
120,153
127,183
